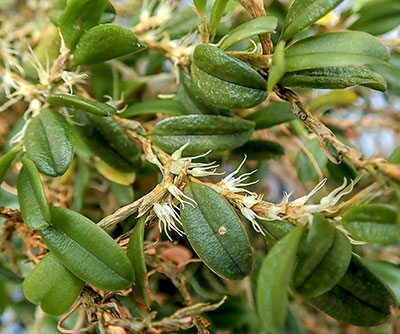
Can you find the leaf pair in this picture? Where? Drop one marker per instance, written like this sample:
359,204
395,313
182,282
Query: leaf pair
224,81
202,132
91,42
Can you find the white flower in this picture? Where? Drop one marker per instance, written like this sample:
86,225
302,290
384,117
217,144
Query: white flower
248,213
180,196
196,169
168,217
235,184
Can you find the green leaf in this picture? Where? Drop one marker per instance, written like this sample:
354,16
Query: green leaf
181,23
360,298
277,69
313,248
377,17
271,115
78,17
9,276
191,102
203,133
123,194
216,233
75,102
52,286
274,277
49,142
260,25
7,159
135,254
31,197
395,156
304,167
388,272
80,183
224,81
167,107
303,13
329,270
334,78
217,13
335,49
200,6
261,150
87,251
373,223
292,324
101,146
116,137
105,42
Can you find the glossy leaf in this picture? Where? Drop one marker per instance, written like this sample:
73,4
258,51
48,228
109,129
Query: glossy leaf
80,183
373,223
335,49
360,298
31,197
334,78
123,194
7,159
377,17
388,272
52,286
261,150
116,137
274,231
105,42
200,6
49,142
203,133
304,167
135,254
216,233
274,277
260,25
167,107
277,69
99,145
87,251
224,81
78,17
217,13
271,115
329,270
75,102
303,13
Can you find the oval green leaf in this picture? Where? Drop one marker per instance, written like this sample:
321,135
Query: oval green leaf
203,133
216,233
52,286
334,78
167,107
78,17
277,69
7,159
31,197
274,277
49,142
260,25
75,102
335,49
105,42
303,13
135,254
261,150
360,298
87,251
373,223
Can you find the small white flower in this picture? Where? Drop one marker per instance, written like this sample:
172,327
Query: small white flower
303,200
168,217
196,169
180,196
248,213
235,184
